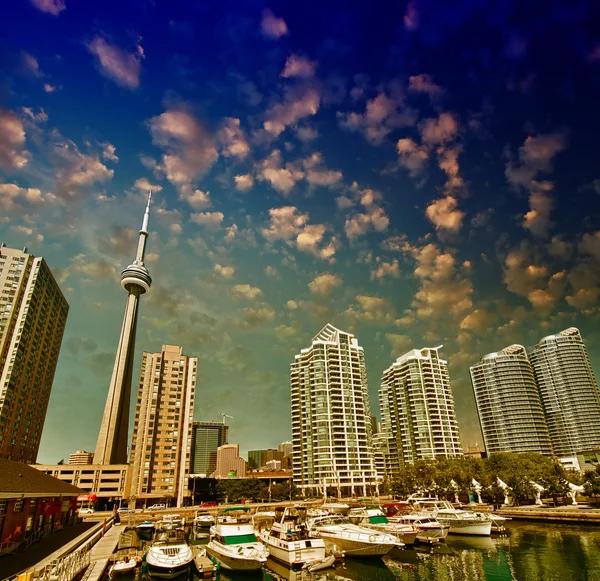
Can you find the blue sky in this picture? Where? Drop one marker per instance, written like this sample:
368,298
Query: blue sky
419,174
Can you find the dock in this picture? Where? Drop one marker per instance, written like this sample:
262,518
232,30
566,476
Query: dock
561,514
204,566
101,553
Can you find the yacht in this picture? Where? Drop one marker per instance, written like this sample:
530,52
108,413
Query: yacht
429,530
236,547
203,519
354,540
461,522
169,555
336,507
170,521
372,517
288,540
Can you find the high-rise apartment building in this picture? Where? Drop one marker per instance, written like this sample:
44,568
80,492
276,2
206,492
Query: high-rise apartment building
229,462
508,403
418,407
81,457
568,391
331,417
33,314
162,431
206,439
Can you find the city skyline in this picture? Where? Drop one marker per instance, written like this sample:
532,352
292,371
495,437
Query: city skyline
382,168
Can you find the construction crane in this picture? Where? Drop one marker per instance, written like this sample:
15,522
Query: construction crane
225,416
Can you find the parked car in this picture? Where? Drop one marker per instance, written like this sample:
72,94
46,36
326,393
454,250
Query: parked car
123,509
84,510
206,504
157,507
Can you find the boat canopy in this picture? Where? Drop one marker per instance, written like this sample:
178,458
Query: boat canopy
240,539
378,519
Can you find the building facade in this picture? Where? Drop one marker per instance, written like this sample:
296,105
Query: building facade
568,391
508,403
206,439
81,457
229,462
162,432
331,417
33,314
418,407
255,459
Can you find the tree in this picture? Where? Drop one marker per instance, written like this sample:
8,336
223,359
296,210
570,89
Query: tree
591,483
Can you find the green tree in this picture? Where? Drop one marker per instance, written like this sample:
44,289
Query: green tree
591,483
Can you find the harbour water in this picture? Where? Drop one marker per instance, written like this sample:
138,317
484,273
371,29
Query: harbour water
528,552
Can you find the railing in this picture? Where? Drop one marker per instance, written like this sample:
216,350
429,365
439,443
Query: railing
8,547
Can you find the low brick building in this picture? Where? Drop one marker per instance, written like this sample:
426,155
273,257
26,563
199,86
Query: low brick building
32,503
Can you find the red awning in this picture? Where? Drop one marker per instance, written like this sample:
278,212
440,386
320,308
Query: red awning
86,497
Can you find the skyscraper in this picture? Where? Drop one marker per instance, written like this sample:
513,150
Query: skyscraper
33,314
162,431
111,447
418,407
569,392
206,439
331,417
229,462
508,403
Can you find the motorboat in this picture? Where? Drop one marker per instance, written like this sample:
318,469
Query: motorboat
169,555
123,566
146,526
354,540
429,530
203,519
203,565
336,507
497,522
288,540
170,521
236,547
372,517
461,522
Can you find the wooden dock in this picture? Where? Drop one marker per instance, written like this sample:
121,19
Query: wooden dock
204,566
101,553
583,515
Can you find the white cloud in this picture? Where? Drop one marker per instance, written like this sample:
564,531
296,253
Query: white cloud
444,214
48,88
209,219
373,215
411,16
439,131
324,283
244,182
281,178
224,271
299,102
246,291
108,152
424,84
54,7
144,185
371,310
299,66
13,156
14,198
117,64
232,139
199,200
271,26
384,269
413,157
31,64
316,172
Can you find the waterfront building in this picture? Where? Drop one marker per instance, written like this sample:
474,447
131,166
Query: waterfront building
255,459
111,447
229,463
568,391
33,314
81,457
418,407
331,417
206,439
162,430
273,465
508,403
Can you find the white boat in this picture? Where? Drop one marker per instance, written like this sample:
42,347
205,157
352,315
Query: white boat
123,566
321,564
170,521
146,526
429,530
354,540
288,540
461,522
336,507
203,519
372,517
169,555
236,547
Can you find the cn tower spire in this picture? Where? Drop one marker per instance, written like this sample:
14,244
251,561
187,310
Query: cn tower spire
111,447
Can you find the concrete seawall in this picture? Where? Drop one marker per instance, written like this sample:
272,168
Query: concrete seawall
573,514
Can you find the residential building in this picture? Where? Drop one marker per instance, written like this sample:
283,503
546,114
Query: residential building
229,463
255,459
286,449
206,439
33,314
568,391
273,465
508,403
331,417
111,447
81,457
418,407
162,430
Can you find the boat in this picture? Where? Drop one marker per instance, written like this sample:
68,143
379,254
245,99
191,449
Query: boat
203,519
497,522
236,547
354,540
336,507
203,565
123,566
321,564
288,540
429,530
372,517
170,521
146,526
169,555
461,522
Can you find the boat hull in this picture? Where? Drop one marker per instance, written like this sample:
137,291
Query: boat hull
297,553
480,529
353,548
166,572
235,563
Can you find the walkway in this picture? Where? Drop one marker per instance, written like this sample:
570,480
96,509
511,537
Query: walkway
101,551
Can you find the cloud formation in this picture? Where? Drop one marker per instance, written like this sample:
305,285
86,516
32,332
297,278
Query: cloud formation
117,64
271,26
54,7
298,66
13,155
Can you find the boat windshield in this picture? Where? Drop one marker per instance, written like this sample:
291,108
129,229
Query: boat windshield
329,521
170,536
240,539
378,519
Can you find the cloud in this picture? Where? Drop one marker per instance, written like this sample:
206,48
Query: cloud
271,26
373,216
400,343
411,16
371,310
445,215
316,172
31,64
299,102
256,317
48,88
13,156
413,157
424,84
209,219
281,178
244,182
440,130
199,200
144,186
232,139
246,291
224,271
189,148
298,66
478,321
537,219
90,270
117,64
382,115
324,284
54,7
14,198
384,269
108,152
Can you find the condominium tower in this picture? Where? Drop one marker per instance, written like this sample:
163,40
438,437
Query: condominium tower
568,391
229,463
162,431
508,403
331,417
206,439
33,314
418,407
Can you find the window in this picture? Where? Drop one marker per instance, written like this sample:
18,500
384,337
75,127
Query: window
18,507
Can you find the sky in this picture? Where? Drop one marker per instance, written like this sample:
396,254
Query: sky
417,173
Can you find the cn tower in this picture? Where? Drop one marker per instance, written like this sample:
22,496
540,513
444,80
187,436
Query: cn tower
111,447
